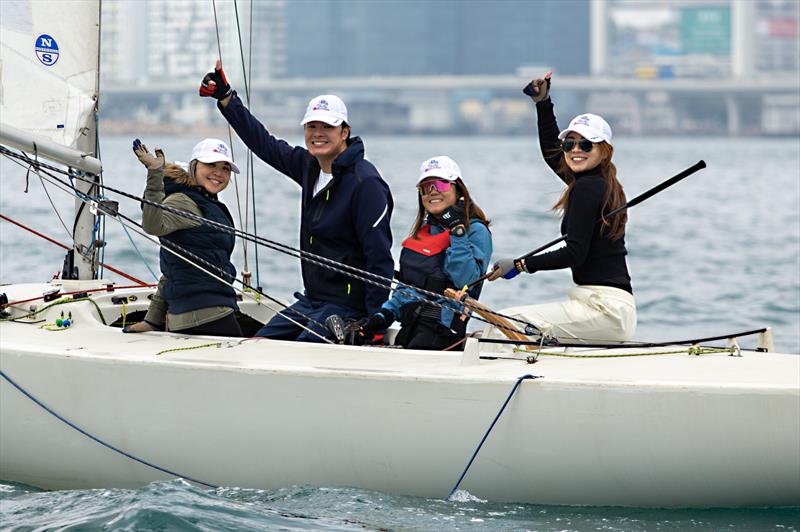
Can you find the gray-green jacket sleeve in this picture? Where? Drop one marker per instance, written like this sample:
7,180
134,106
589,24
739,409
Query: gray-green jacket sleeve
157,221
157,310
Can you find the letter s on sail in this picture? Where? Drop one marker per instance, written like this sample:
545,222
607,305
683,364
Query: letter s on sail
46,49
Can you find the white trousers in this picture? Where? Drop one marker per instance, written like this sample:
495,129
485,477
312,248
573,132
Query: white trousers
591,314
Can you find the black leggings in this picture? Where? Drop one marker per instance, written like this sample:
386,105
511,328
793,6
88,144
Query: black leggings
227,326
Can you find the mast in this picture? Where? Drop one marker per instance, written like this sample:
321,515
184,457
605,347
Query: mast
82,260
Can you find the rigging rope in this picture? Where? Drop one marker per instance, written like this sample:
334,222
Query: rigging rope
630,344
55,210
502,408
230,137
87,199
249,170
101,262
351,271
139,253
692,350
56,242
212,266
182,254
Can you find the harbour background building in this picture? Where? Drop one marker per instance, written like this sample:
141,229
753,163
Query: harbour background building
457,66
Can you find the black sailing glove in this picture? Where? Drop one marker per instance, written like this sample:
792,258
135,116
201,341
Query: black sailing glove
539,89
215,84
452,216
378,322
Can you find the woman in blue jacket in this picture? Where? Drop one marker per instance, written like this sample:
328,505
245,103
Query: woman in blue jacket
449,247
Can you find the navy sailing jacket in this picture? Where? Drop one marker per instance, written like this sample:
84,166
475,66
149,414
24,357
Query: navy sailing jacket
348,221
187,288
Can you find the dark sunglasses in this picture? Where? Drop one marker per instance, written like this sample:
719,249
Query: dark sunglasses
569,144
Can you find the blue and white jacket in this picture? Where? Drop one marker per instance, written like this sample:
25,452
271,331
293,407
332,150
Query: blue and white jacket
437,260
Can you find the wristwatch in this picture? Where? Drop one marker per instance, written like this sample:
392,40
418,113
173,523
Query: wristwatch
458,230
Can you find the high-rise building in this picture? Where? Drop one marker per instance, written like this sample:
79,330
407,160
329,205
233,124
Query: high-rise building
708,39
179,40
457,37
269,53
122,44
777,36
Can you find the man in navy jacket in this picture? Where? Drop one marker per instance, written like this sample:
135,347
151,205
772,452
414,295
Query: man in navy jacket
345,215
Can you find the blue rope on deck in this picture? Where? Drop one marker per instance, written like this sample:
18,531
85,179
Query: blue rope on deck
98,440
511,394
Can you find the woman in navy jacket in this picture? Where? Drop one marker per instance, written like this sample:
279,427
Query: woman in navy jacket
345,209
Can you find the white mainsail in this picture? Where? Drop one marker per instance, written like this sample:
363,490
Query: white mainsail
49,83
49,65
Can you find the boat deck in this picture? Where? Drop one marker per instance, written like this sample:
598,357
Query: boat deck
662,366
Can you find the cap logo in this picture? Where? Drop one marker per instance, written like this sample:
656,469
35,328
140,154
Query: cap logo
321,105
221,149
432,164
583,120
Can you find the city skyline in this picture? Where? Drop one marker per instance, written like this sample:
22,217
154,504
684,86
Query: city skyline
167,47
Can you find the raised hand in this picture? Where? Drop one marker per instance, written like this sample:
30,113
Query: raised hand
215,84
539,89
146,158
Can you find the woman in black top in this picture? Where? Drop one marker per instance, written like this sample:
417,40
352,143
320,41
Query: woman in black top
601,307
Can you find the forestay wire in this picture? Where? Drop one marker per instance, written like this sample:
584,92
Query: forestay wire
230,141
250,169
250,187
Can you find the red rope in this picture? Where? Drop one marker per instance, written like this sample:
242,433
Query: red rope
56,242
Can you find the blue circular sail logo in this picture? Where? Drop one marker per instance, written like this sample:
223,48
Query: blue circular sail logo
46,49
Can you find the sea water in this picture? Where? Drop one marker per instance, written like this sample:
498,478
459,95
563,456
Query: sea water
717,253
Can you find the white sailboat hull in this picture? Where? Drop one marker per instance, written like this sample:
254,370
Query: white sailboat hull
668,430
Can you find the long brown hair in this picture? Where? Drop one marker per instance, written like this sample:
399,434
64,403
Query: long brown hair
614,227
471,209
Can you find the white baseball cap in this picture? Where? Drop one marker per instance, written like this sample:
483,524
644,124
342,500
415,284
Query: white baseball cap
442,167
213,151
589,126
327,108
